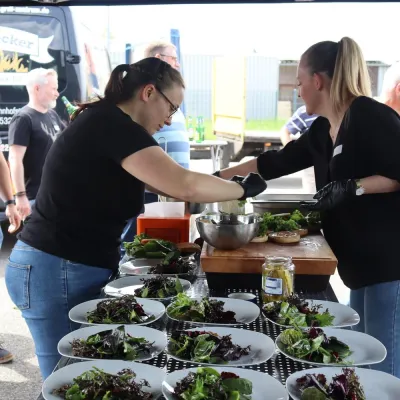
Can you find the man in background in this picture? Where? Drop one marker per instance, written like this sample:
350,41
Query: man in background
391,87
298,124
31,133
173,138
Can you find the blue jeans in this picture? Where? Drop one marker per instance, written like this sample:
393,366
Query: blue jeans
379,309
130,229
45,287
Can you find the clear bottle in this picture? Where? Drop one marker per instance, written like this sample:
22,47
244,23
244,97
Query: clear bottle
190,128
277,278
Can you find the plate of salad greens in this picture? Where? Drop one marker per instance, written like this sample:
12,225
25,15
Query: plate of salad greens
294,311
155,287
104,380
127,310
330,347
222,383
220,345
119,342
212,310
333,383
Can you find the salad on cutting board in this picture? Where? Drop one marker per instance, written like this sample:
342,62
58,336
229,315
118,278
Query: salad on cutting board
287,228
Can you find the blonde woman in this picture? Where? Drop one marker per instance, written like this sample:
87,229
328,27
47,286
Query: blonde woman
354,148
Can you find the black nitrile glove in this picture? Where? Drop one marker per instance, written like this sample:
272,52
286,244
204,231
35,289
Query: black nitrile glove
237,178
252,184
332,195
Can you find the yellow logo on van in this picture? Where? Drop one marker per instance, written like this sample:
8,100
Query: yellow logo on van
11,63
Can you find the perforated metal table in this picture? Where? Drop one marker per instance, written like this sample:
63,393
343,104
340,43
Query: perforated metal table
279,366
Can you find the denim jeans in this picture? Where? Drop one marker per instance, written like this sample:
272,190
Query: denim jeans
45,288
379,309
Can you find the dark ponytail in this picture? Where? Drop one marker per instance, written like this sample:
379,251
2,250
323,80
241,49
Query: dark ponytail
115,86
126,80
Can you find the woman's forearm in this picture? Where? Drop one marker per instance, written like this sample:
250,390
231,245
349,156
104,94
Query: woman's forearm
379,184
242,169
5,180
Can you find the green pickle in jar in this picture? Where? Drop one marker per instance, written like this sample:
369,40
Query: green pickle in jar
277,278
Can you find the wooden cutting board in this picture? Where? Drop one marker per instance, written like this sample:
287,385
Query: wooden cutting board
312,256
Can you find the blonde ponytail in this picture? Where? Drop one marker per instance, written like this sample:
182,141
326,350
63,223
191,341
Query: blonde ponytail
350,78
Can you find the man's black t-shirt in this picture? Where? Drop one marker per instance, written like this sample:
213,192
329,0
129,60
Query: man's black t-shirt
364,232
36,131
86,197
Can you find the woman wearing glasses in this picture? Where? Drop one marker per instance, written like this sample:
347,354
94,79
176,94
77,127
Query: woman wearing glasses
93,180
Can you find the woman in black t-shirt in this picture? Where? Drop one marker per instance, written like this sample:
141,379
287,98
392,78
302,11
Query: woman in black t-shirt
93,181
354,148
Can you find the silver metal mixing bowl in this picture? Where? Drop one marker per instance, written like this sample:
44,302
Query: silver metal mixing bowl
230,231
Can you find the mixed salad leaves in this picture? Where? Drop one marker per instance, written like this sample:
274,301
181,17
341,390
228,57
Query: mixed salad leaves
111,344
207,310
292,222
143,246
209,384
123,310
99,385
205,347
171,254
159,287
345,386
173,263
313,345
294,311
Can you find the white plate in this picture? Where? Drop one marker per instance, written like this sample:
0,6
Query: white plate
63,376
245,311
376,384
265,387
129,284
262,346
344,315
151,335
151,307
366,349
142,267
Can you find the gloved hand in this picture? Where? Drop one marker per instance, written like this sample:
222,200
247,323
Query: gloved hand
237,178
252,184
332,195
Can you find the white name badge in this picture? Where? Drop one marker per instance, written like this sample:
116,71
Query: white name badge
337,150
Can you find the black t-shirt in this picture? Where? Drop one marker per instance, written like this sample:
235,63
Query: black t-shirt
364,233
86,197
36,131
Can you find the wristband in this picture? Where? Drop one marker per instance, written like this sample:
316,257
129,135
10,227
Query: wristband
8,202
20,194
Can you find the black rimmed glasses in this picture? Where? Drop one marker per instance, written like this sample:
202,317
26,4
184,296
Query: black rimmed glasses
174,108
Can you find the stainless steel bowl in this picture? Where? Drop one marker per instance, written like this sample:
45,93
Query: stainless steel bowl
227,231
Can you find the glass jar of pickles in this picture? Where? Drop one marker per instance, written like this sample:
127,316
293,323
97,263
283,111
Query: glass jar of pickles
277,278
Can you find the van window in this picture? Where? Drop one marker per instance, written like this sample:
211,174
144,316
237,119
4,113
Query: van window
27,42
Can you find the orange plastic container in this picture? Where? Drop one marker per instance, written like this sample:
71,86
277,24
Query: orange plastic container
174,229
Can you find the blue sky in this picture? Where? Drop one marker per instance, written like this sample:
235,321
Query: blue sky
277,30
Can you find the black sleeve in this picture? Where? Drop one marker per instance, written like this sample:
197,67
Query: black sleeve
124,137
379,137
19,131
294,157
